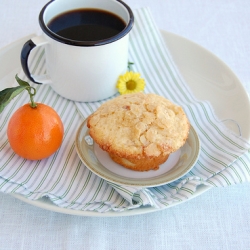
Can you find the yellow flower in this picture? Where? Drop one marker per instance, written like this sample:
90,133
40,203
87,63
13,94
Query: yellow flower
130,82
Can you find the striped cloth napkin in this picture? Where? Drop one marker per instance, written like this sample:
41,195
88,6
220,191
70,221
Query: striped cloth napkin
224,158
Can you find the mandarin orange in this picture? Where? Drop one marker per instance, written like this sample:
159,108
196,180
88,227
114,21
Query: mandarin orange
35,133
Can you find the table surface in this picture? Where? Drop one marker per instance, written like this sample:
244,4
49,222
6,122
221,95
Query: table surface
218,219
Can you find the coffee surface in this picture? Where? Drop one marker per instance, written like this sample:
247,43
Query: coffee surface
87,25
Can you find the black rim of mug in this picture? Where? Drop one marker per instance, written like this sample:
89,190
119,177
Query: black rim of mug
61,39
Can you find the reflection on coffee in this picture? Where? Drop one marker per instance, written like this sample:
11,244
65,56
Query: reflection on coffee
87,25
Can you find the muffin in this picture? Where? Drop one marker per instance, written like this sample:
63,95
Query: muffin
139,131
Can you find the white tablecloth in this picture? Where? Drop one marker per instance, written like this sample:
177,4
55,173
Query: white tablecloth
218,219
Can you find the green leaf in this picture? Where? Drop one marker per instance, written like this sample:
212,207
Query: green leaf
21,82
8,94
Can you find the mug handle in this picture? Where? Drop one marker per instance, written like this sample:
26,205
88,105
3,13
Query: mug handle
25,52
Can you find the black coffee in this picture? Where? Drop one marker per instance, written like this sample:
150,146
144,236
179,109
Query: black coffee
87,25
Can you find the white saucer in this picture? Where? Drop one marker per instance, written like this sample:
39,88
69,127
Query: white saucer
99,162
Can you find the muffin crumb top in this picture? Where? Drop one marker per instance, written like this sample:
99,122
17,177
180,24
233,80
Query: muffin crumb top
139,125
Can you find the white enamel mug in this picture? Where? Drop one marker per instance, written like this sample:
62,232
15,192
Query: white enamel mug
83,71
